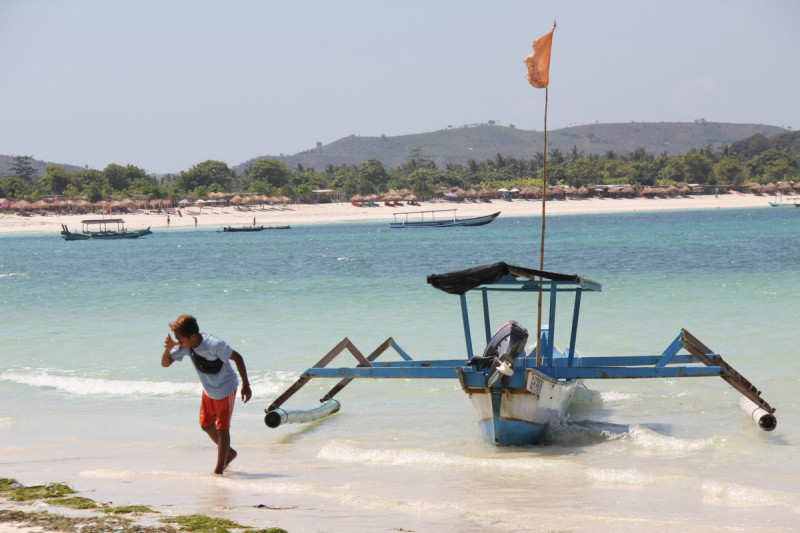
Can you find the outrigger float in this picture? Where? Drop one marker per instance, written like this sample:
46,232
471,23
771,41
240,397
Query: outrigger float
516,394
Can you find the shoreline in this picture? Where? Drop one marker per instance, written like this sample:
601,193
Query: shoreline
345,213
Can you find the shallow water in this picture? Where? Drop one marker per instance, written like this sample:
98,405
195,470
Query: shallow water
85,399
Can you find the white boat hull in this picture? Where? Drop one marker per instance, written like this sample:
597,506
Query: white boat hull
518,417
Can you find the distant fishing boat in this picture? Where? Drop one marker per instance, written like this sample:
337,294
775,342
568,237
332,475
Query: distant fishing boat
99,229
417,219
250,228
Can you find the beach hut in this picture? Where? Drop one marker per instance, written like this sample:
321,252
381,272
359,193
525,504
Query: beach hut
40,204
22,205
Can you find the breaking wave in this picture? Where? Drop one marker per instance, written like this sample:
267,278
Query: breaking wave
345,453
84,386
648,439
588,396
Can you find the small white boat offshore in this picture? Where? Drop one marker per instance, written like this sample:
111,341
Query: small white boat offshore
430,219
99,229
517,393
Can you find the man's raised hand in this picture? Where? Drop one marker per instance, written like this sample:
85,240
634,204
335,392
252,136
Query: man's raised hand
169,344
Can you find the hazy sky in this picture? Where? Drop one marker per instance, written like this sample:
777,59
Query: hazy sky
167,84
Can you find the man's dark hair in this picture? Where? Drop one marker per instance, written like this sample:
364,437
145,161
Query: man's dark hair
185,326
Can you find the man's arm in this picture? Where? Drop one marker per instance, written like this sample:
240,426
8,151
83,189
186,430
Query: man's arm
246,393
169,344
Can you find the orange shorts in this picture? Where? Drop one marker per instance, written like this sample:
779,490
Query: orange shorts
219,411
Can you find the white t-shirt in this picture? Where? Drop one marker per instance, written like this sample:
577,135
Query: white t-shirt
224,382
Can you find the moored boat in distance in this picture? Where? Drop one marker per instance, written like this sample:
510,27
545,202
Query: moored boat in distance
233,229
102,232
417,219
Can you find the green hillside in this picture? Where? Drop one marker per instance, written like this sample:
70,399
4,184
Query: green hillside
484,142
39,166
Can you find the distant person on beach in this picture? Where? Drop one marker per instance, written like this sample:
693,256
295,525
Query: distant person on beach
195,221
211,357
167,220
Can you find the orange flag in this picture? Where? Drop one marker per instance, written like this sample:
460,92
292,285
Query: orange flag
538,62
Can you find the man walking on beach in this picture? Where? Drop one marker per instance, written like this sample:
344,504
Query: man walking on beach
211,357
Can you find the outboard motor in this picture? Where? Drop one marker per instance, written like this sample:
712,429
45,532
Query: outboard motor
506,345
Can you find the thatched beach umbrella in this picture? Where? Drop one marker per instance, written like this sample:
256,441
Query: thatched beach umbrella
769,187
685,190
410,198
671,189
404,191
153,203
784,186
357,198
22,205
41,204
370,198
472,193
460,193
140,203
628,190
236,199
127,202
649,191
484,193
796,185
583,191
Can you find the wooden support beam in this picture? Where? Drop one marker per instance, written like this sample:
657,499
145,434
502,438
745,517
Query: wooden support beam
322,363
705,355
346,381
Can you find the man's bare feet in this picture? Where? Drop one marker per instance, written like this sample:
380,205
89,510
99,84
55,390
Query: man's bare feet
231,456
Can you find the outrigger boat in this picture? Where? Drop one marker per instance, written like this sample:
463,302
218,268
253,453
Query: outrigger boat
516,394
250,228
418,219
102,231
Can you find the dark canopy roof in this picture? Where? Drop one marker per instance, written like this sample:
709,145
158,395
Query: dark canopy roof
465,280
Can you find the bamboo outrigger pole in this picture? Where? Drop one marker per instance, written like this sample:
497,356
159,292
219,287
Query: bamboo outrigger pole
541,246
538,64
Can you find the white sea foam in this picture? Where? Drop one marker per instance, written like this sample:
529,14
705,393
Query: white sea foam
89,386
6,421
588,396
14,274
345,453
648,439
100,386
611,476
716,491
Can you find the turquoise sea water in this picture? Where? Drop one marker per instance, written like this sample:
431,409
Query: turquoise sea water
85,399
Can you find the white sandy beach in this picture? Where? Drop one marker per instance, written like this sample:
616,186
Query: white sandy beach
328,213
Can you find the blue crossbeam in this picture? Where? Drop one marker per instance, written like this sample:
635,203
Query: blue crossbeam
434,372
415,363
610,372
629,360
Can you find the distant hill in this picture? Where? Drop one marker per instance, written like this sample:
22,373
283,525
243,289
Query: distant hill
485,142
39,166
